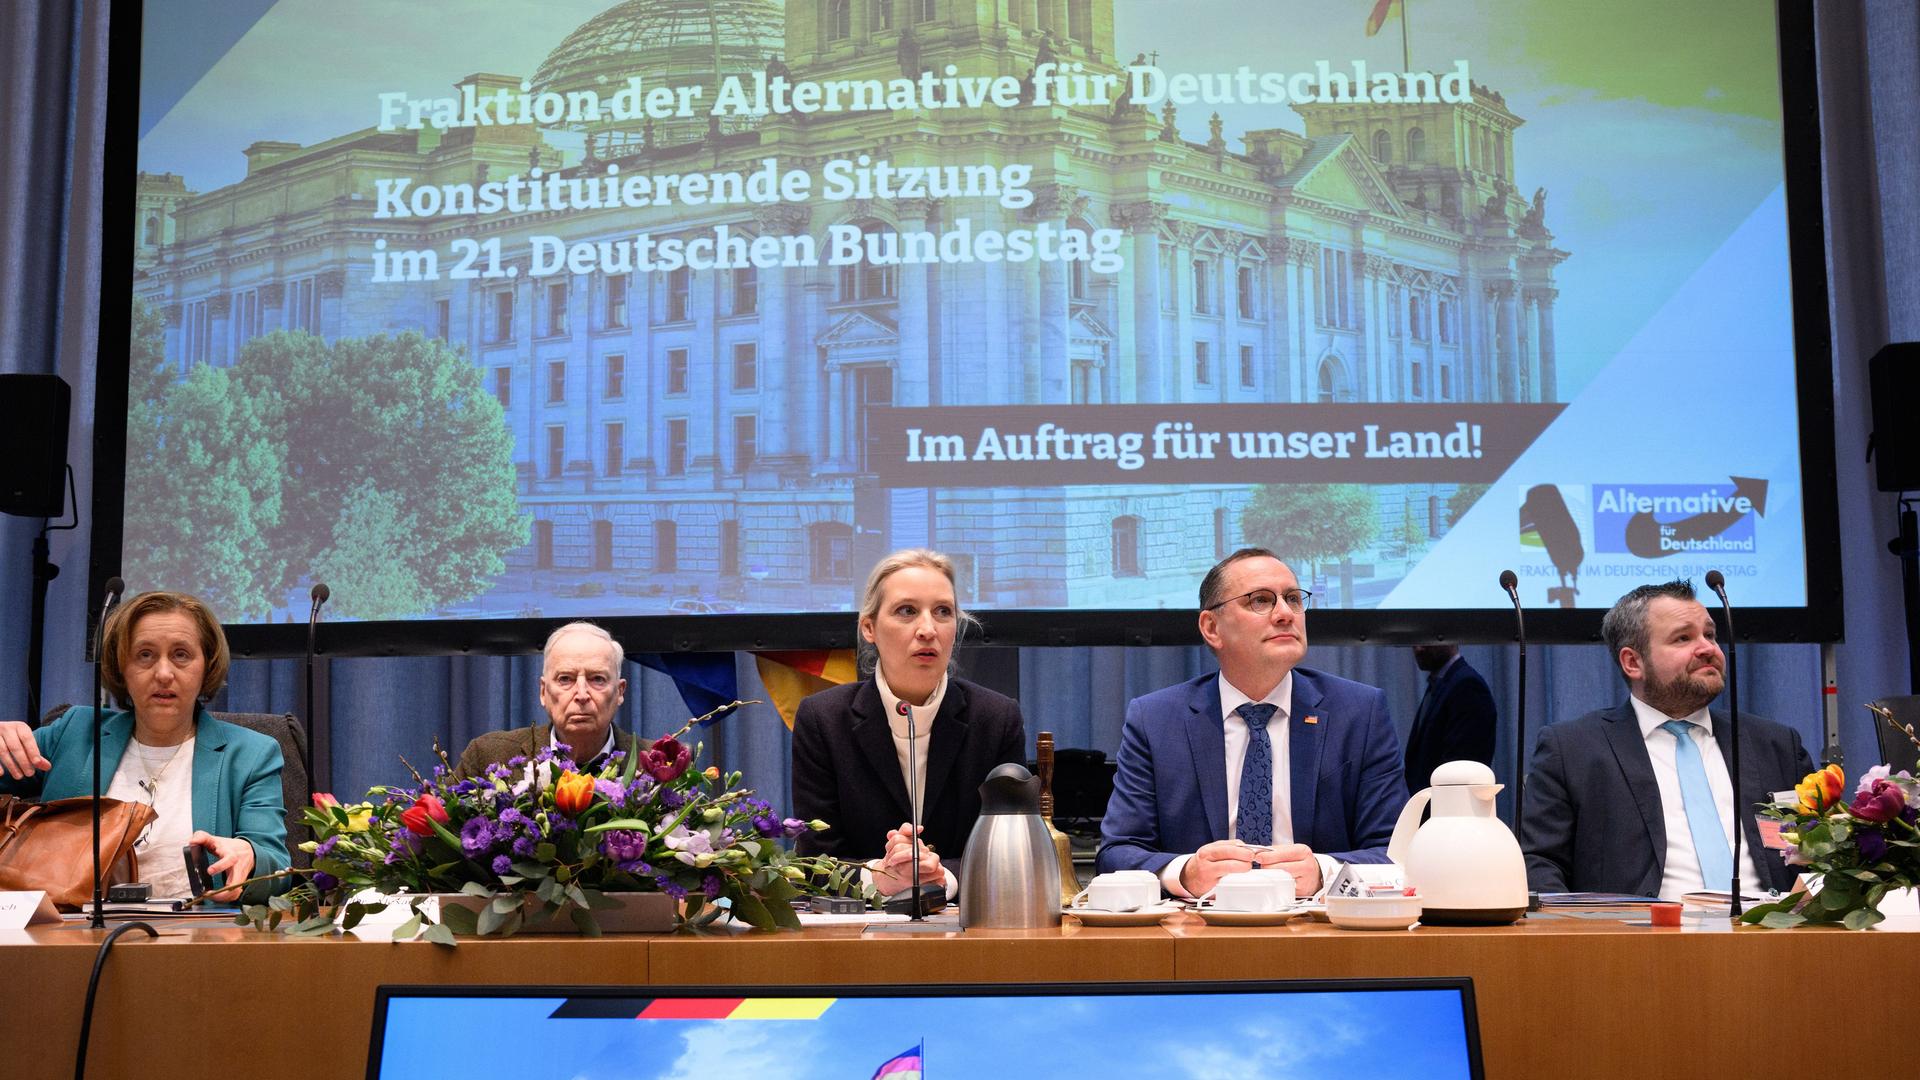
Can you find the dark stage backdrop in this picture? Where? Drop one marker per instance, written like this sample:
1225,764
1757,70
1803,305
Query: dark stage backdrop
52,69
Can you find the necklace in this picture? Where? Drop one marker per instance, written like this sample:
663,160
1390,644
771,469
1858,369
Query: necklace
151,785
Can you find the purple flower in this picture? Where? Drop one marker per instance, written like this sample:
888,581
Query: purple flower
511,816
476,836
324,881
326,847
1873,845
513,762
405,844
624,845
793,827
671,799
710,886
502,865
766,825
1881,803
523,846
611,791
671,887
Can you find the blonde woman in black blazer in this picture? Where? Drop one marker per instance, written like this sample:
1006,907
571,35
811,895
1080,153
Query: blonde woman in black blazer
851,749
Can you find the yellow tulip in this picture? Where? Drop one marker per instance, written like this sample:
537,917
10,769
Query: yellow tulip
1821,790
573,792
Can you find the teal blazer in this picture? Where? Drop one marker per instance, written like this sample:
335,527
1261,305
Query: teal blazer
236,780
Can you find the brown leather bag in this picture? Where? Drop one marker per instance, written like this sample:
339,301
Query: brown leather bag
49,846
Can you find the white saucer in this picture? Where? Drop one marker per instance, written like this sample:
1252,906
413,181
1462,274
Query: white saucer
1146,916
1214,916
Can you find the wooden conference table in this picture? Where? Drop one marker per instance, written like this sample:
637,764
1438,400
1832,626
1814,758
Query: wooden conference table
1559,996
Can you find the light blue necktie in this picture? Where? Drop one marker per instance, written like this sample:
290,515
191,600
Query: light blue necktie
1703,818
1256,778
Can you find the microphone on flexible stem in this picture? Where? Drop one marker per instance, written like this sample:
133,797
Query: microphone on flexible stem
1718,583
1511,583
320,593
913,804
115,586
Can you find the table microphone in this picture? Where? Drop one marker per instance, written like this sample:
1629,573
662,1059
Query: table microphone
1718,583
1511,583
913,806
115,586
320,593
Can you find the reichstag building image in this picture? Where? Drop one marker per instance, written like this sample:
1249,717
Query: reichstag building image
713,425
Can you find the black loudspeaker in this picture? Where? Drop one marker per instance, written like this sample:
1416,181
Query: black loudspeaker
33,445
1894,374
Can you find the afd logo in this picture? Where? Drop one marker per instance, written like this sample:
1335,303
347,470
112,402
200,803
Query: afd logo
1654,521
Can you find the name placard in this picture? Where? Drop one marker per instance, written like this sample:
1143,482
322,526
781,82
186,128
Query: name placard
19,910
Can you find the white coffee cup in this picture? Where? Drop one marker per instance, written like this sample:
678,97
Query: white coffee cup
1121,890
1254,891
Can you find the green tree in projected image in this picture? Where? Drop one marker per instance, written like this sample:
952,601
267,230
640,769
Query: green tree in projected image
1311,523
148,375
379,465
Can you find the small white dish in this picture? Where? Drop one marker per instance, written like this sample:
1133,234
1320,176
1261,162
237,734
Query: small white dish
1146,916
1373,912
1215,916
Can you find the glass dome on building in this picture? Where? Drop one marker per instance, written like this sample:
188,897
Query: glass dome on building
664,42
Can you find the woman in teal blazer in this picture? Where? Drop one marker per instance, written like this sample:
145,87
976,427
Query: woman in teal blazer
163,655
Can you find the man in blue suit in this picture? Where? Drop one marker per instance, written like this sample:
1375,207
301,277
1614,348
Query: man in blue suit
1265,762
1639,798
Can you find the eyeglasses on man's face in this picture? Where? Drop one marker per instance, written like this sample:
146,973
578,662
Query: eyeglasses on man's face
1261,601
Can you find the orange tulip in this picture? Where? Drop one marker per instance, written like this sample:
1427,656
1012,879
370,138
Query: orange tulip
1820,790
573,792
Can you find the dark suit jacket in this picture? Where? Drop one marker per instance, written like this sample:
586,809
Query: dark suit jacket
1456,724
1170,789
846,772
1593,820
499,747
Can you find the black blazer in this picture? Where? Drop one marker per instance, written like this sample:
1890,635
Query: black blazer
1593,819
846,772
1456,724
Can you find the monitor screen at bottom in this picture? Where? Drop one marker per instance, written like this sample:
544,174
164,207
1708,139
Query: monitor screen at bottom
1411,1028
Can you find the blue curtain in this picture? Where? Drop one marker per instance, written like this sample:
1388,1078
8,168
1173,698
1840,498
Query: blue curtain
376,710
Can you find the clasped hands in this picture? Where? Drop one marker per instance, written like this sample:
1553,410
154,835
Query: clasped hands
893,871
1222,857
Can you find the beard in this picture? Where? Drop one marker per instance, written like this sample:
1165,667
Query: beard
1686,692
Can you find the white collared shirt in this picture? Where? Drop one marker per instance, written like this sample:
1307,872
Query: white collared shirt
1231,698
1681,873
1281,698
553,740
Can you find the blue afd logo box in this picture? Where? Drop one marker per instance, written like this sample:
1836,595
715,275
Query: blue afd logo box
1657,520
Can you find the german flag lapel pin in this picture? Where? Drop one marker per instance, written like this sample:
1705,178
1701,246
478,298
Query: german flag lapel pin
1311,720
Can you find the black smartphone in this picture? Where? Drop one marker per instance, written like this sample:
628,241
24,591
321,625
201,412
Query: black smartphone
198,859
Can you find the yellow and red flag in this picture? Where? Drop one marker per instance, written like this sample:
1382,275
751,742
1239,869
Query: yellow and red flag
792,675
1382,11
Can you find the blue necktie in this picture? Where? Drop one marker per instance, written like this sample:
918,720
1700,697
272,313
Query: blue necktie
1703,818
1256,778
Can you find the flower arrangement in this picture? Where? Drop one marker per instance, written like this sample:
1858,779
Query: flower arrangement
1859,850
539,838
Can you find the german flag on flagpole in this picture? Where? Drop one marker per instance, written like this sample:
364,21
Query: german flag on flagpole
1382,11
790,676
